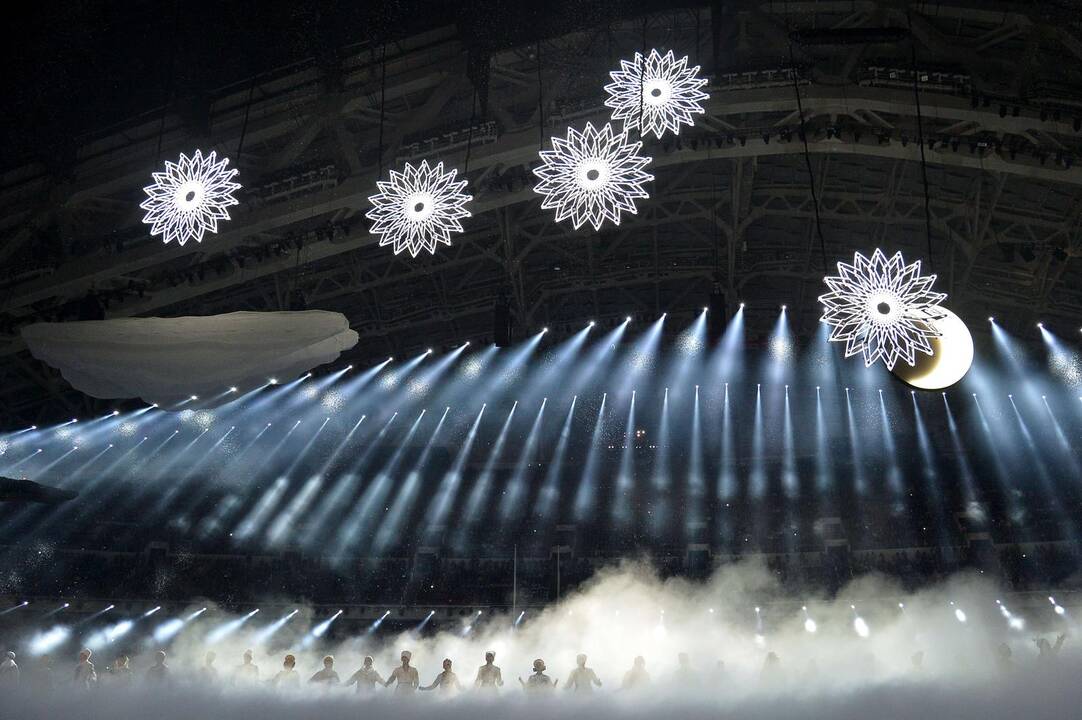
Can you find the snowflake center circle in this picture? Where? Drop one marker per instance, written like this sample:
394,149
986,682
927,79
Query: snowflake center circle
883,308
656,91
592,174
189,195
419,206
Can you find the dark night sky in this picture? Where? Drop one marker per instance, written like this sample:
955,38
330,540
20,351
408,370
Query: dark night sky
83,65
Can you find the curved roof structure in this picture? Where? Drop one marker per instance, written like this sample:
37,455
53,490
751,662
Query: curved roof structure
803,96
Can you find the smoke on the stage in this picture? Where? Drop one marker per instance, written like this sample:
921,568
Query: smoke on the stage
872,650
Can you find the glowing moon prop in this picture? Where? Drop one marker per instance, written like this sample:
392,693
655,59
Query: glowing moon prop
952,355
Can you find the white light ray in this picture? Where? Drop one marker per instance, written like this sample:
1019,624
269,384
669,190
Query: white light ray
882,308
418,208
190,197
592,176
658,92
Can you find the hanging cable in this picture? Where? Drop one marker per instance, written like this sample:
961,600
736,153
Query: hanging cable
469,135
169,78
920,141
540,102
244,125
382,104
807,157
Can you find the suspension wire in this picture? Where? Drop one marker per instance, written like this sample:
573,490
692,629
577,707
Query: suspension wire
169,79
244,125
382,103
469,135
642,77
920,141
540,101
807,157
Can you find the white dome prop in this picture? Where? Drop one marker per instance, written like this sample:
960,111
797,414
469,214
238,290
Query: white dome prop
167,360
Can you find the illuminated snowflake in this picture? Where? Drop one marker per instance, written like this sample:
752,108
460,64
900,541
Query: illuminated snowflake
417,386
882,308
310,392
659,91
127,428
190,197
592,176
472,367
389,380
202,419
418,208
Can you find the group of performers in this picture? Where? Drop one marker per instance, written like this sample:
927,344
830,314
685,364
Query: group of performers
404,678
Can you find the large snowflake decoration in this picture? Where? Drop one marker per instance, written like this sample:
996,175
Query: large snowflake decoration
882,308
190,197
418,208
656,93
592,175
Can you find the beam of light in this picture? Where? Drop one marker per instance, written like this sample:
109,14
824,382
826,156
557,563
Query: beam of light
260,511
726,361
16,464
514,493
1056,607
421,625
788,457
171,628
894,472
483,484
13,608
929,470
266,632
641,357
58,609
395,518
557,368
181,487
321,629
49,640
601,354
375,494
41,472
660,483
377,622
94,616
355,384
625,482
114,632
549,495
781,350
1037,463
431,376
860,625
855,455
345,489
228,628
440,505
824,466
965,470
1009,349
586,495
959,614
809,624
518,620
687,354
696,487
758,453
727,459
468,627
1063,362
281,525
78,472
1061,438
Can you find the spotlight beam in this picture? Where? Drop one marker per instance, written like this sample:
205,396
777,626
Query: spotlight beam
440,505
482,485
585,496
511,505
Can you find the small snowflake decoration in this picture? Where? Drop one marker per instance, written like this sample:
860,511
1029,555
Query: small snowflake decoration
882,308
659,92
592,176
418,208
190,197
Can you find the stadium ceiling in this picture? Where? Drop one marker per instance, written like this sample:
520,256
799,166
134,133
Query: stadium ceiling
1000,98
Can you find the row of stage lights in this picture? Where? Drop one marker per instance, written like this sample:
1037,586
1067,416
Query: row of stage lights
48,640
273,381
